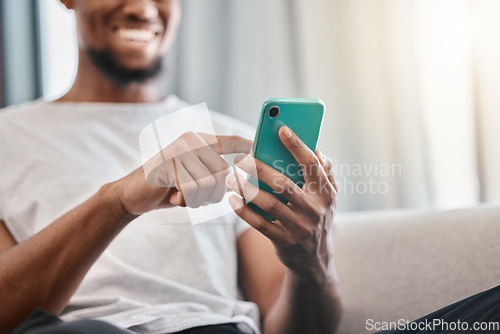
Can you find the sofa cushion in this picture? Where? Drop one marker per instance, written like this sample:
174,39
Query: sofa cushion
405,264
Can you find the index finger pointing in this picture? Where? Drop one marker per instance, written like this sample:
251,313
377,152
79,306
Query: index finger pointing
308,161
228,144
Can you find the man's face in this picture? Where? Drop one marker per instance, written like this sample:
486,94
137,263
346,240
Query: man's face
136,33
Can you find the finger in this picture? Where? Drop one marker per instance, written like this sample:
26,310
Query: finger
204,179
264,226
161,175
228,144
327,165
218,168
280,183
311,168
264,200
202,146
185,184
214,163
220,189
177,198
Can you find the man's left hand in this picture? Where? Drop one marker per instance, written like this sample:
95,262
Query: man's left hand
301,231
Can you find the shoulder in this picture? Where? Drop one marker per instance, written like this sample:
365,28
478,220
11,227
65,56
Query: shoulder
23,107
20,112
14,123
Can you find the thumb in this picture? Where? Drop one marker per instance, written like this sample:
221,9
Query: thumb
176,198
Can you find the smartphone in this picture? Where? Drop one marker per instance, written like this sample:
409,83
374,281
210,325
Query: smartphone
304,117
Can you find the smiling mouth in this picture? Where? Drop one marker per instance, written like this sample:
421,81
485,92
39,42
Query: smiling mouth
137,35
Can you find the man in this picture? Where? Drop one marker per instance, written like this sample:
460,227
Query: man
113,255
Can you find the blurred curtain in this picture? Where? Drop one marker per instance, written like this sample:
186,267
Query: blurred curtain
21,74
410,87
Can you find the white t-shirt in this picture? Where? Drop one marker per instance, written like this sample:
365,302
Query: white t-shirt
161,274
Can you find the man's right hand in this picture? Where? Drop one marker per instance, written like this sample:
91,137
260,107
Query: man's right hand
188,172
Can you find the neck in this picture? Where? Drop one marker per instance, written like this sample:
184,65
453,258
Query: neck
91,85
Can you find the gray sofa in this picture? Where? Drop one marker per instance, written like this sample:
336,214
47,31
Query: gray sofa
405,264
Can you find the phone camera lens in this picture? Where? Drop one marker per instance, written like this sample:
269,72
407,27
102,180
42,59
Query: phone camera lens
274,112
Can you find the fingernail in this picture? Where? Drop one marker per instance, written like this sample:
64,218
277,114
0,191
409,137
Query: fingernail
235,202
286,132
230,179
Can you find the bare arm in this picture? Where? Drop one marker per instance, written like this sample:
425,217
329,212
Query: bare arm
6,239
45,270
287,303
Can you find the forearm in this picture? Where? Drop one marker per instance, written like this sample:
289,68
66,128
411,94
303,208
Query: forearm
45,270
306,305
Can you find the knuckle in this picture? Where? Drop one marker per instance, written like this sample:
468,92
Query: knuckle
163,179
309,234
182,146
221,167
296,143
260,224
312,160
286,186
281,184
259,169
234,137
271,205
189,187
242,212
291,188
332,197
207,182
221,174
188,134
317,212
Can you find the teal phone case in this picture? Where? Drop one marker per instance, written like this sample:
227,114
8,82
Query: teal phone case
304,117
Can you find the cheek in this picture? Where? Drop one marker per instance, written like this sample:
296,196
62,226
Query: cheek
91,24
173,17
89,34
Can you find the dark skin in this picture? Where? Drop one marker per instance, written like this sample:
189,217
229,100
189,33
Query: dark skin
98,22
286,267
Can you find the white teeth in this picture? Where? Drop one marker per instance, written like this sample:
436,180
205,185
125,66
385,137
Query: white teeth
137,35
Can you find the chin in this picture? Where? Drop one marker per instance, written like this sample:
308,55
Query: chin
125,70
137,62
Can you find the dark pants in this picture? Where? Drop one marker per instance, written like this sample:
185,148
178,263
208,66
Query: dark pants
42,322
482,309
